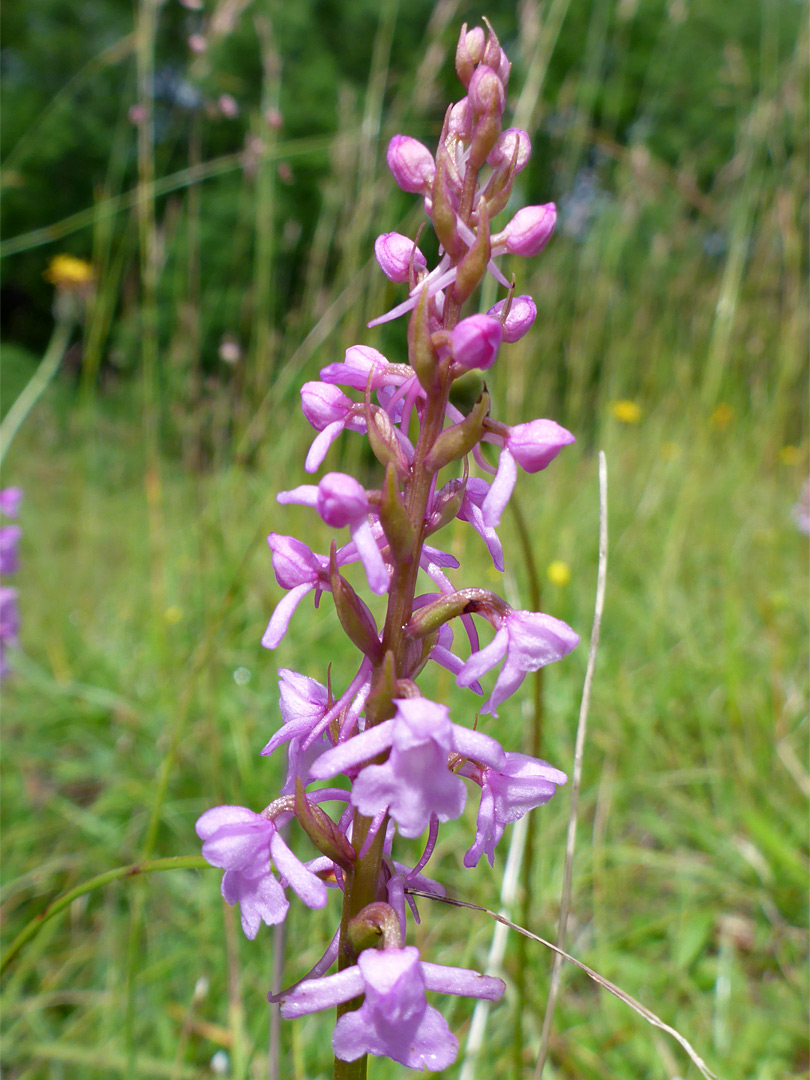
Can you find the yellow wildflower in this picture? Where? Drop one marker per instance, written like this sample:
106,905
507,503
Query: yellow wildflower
559,573
721,417
68,272
626,412
670,451
790,455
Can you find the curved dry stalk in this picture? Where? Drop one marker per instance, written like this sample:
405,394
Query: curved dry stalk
497,948
600,980
36,384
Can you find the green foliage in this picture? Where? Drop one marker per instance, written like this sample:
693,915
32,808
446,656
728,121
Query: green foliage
692,850
674,138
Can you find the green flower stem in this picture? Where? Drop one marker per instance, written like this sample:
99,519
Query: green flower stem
176,862
361,885
36,384
361,888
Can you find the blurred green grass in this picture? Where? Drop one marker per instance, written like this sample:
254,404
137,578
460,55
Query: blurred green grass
690,879
142,695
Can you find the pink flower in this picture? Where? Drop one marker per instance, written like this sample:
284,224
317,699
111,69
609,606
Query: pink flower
411,164
303,702
415,782
525,641
528,232
474,342
330,412
242,842
394,1020
522,784
360,362
475,492
394,253
341,500
533,446
299,570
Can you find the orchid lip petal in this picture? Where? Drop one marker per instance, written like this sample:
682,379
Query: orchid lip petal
320,445
325,993
303,882
461,981
304,494
373,562
479,747
500,490
280,619
481,662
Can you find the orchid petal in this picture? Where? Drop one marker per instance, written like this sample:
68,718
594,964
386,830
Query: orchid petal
481,662
280,619
360,748
462,981
373,562
321,443
479,747
315,994
303,882
500,490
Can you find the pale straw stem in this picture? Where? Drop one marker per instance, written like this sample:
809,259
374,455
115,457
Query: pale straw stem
497,948
600,980
576,780
36,384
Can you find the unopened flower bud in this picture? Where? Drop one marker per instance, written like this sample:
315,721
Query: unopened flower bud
474,41
469,51
474,341
522,313
496,58
341,500
529,230
504,150
459,122
411,163
534,445
486,92
323,404
394,252
503,68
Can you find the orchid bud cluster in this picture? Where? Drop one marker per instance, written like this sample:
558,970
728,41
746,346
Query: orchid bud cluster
409,765
9,538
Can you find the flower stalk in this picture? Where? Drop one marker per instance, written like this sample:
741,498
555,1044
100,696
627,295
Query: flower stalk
409,765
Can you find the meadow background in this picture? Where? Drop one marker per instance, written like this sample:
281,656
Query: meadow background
227,198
